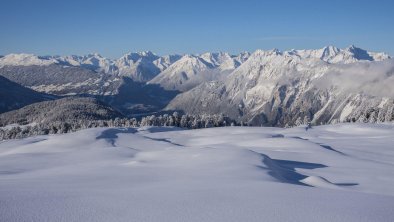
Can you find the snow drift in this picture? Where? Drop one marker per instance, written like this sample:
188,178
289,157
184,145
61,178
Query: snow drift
341,172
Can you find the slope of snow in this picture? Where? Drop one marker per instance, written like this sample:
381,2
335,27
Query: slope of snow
139,66
184,74
192,70
223,61
342,172
165,61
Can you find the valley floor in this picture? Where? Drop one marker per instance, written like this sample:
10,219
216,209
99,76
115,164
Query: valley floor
341,172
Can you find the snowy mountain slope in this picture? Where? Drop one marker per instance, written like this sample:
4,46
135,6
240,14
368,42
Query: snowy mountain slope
184,74
139,66
192,70
25,60
284,88
164,62
330,173
223,61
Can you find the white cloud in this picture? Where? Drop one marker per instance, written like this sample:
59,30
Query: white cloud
371,78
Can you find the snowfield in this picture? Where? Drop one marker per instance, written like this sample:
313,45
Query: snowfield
342,172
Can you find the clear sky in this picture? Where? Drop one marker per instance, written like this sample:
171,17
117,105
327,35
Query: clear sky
115,27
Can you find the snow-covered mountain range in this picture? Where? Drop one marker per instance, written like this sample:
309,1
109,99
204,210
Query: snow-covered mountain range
139,66
145,66
269,87
297,86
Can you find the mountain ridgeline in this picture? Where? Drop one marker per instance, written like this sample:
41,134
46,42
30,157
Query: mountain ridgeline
270,88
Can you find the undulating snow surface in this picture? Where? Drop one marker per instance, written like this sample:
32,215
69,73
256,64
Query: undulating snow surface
342,172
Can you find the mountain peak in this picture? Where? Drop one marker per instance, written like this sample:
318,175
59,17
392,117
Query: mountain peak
352,47
135,56
94,54
146,53
272,52
331,48
329,51
359,54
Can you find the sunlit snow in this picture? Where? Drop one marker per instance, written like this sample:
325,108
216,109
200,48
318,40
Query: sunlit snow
341,172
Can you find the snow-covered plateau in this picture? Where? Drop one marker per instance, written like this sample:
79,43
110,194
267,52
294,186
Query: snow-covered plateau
342,172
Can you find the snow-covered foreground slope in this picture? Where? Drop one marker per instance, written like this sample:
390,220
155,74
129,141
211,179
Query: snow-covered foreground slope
328,173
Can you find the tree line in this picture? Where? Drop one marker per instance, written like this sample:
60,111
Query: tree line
60,127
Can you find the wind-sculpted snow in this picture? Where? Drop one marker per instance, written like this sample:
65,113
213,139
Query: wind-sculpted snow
217,174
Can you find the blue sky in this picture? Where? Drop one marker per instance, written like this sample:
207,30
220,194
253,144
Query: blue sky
112,28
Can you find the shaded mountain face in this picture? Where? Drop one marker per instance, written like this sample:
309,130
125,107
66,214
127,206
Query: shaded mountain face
136,98
14,96
71,109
